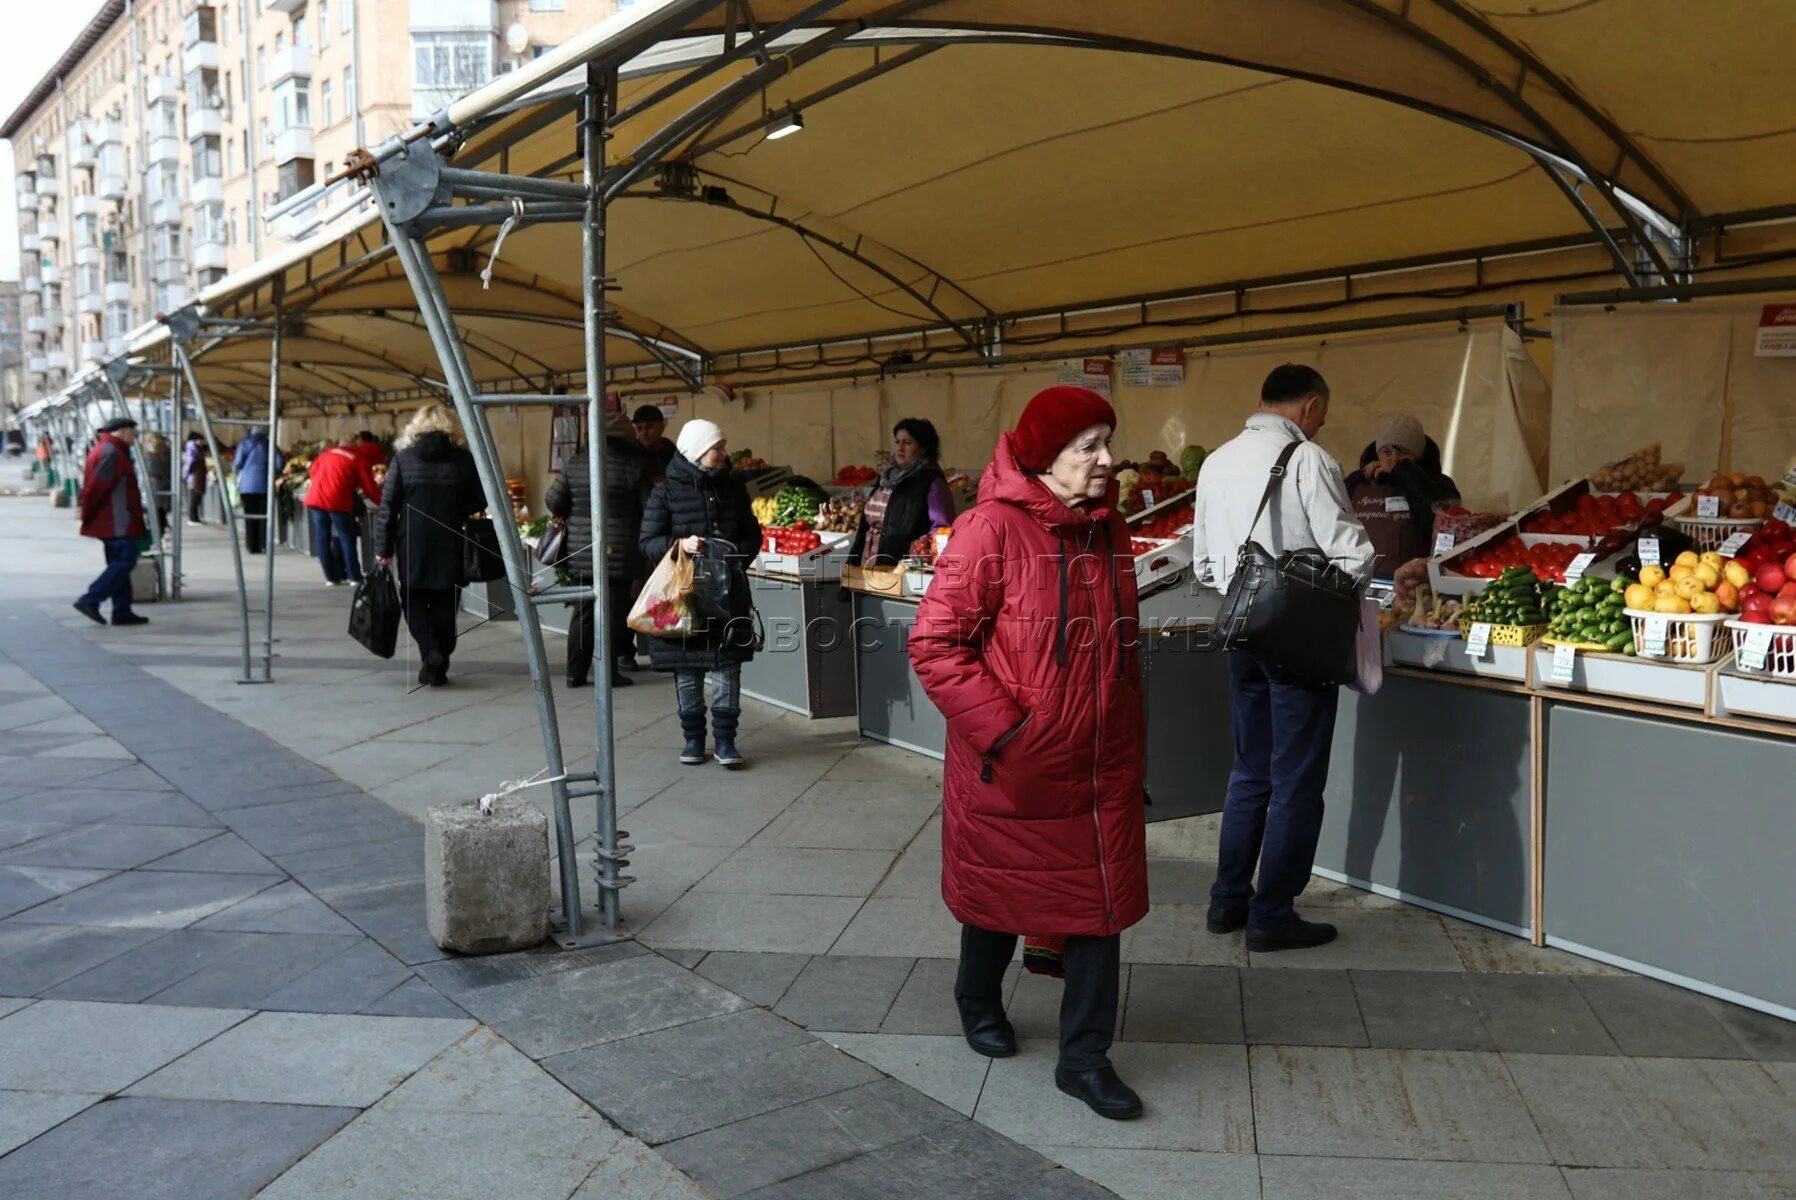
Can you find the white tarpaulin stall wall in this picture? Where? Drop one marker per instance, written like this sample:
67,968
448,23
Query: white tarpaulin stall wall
1476,390
1685,376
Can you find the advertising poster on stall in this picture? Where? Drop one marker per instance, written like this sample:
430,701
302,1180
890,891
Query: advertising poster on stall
670,407
1093,373
1153,366
1777,332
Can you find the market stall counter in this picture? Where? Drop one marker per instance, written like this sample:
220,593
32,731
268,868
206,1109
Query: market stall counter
889,701
807,663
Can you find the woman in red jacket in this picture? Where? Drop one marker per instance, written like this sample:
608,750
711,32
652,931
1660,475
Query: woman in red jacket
1026,641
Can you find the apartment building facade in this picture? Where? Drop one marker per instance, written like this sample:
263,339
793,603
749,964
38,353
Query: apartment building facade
147,154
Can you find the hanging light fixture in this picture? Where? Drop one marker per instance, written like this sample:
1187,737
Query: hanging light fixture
785,125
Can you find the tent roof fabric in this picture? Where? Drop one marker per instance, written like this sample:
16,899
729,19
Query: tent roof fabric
964,161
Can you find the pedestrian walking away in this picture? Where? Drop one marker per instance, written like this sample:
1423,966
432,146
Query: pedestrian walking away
569,501
1272,813
112,512
337,475
254,463
1026,642
703,506
432,489
195,463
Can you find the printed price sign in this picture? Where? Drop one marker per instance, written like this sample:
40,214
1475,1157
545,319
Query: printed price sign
1477,642
1652,637
1443,542
1790,477
1396,504
1735,542
1755,648
1147,498
1785,511
1649,552
1708,506
1564,659
1575,569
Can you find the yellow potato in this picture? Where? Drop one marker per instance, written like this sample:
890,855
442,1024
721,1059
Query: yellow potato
1673,605
1682,571
1712,558
1664,588
1736,573
1705,602
1688,558
1652,576
1689,587
1640,597
1710,576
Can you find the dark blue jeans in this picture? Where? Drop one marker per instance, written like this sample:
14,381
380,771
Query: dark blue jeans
114,583
1273,813
337,545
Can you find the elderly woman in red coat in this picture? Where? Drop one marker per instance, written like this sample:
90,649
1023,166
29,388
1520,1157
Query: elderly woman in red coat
1026,641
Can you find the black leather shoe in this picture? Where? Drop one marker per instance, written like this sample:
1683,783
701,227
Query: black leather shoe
130,619
1226,918
992,1036
620,680
1292,933
1106,1095
576,683
91,612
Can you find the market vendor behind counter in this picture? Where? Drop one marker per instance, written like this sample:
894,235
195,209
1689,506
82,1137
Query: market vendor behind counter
1397,490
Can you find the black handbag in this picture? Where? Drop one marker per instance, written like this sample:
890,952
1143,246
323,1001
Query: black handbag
716,584
481,560
374,613
1298,613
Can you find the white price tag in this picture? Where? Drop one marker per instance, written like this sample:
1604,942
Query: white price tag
1785,512
1790,477
1652,637
1735,542
1443,542
1755,648
1185,529
1395,504
1477,642
1708,506
1649,552
1574,570
1147,498
1564,658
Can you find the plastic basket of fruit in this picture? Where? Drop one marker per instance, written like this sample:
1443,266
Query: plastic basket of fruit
1780,653
1689,637
1708,533
1506,635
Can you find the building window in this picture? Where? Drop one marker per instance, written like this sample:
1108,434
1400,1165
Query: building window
280,41
294,101
231,230
448,65
548,5
352,104
201,26
208,158
209,224
324,104
262,65
231,159
267,136
324,23
348,15
249,159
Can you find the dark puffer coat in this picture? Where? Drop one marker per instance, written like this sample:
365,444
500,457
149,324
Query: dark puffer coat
431,491
1027,643
690,501
570,497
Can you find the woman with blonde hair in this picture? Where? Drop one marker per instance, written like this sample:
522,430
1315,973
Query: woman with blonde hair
431,490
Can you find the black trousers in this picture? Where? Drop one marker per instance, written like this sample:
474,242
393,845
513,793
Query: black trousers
195,497
1087,1006
255,523
582,631
430,615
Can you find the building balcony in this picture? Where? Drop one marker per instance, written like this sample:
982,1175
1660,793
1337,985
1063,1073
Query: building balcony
446,15
93,351
211,256
201,56
165,212
56,360
91,304
56,318
82,153
86,205
205,122
289,62
47,187
114,187
27,186
29,243
50,229
52,274
285,6
118,291
292,143
34,284
206,191
162,88
109,132
87,256
36,324
165,149
37,364
116,346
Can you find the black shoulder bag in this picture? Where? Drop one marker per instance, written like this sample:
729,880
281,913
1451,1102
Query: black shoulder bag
1298,613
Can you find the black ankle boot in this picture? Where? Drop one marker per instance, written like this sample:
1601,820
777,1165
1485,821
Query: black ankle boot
723,728
692,724
989,1034
1106,1094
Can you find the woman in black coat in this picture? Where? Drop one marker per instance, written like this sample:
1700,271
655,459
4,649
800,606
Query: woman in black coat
569,500
703,505
431,491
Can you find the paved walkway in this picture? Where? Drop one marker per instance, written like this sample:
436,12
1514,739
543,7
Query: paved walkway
211,920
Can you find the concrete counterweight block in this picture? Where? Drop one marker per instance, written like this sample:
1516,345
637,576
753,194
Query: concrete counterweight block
486,877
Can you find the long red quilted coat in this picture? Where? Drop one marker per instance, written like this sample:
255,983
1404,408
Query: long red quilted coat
1026,641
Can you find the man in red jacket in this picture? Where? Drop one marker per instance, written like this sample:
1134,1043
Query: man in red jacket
336,475
112,511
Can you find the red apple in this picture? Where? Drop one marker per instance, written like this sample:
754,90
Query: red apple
1790,567
1783,609
1749,590
1762,617
1756,605
1771,577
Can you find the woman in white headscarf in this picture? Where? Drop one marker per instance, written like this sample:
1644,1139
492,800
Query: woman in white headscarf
703,505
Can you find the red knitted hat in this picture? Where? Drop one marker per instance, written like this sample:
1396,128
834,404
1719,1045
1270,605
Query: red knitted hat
1052,419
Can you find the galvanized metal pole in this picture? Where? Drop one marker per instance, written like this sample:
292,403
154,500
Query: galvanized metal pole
601,84
177,486
270,522
230,510
433,306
